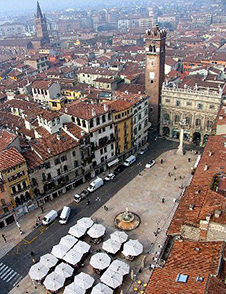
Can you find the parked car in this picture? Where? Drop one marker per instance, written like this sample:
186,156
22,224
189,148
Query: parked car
150,163
49,217
109,177
64,216
79,196
143,150
119,169
94,185
130,160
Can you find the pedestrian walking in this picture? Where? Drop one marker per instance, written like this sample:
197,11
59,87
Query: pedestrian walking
88,202
189,159
175,179
169,174
32,254
42,208
4,238
163,200
161,161
105,208
174,167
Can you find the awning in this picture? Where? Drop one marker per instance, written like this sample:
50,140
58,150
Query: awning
113,162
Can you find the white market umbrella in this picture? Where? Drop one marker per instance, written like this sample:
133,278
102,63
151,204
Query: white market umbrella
84,281
82,247
100,261
59,251
73,257
101,289
74,289
77,231
86,222
132,248
54,282
118,236
120,266
111,278
111,246
64,270
68,241
38,271
96,231
49,260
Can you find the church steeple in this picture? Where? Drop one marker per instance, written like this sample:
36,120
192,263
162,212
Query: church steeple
39,12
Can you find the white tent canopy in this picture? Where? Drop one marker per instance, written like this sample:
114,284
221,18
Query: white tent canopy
68,241
118,236
132,248
100,261
64,270
85,222
101,289
84,280
82,247
120,266
96,231
59,251
74,289
38,271
49,260
73,257
111,246
111,278
77,231
54,282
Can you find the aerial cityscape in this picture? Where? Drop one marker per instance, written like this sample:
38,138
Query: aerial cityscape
112,147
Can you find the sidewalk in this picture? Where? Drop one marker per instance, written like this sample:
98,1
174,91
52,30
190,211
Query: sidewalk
143,196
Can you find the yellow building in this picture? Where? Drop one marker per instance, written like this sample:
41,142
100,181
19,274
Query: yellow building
14,174
122,119
71,93
57,103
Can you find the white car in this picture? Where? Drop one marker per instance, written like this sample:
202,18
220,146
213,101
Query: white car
143,150
109,177
150,163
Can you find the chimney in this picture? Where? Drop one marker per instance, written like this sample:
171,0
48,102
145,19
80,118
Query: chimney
208,216
105,107
217,213
206,167
65,127
58,137
225,144
210,153
93,112
82,133
49,150
66,110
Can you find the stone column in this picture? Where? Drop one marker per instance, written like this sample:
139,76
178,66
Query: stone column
180,149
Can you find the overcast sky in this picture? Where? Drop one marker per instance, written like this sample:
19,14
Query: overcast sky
30,5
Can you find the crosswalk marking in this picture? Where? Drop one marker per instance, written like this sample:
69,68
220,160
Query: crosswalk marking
8,275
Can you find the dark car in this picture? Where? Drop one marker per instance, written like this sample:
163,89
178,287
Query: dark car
119,169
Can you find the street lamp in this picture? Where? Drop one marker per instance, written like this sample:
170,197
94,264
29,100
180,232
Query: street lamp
180,149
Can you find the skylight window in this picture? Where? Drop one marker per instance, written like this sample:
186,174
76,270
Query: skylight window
182,278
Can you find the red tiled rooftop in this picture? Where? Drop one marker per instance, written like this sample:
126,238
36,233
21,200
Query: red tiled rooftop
10,158
6,138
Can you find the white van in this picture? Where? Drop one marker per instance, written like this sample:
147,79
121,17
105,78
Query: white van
94,185
130,160
50,217
64,216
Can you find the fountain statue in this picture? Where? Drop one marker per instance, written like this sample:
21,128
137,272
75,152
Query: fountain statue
127,220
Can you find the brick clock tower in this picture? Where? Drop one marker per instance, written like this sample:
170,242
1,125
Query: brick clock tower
154,71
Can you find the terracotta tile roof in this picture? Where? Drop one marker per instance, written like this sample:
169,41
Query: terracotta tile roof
32,159
10,158
41,84
6,138
49,115
195,259
53,145
84,110
75,130
119,105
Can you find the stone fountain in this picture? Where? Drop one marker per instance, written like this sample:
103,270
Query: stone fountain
127,220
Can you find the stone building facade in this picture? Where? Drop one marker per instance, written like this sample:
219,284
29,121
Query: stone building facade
198,108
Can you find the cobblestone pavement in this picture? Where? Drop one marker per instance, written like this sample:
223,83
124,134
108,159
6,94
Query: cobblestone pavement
143,195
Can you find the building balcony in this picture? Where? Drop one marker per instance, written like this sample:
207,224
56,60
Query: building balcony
21,190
